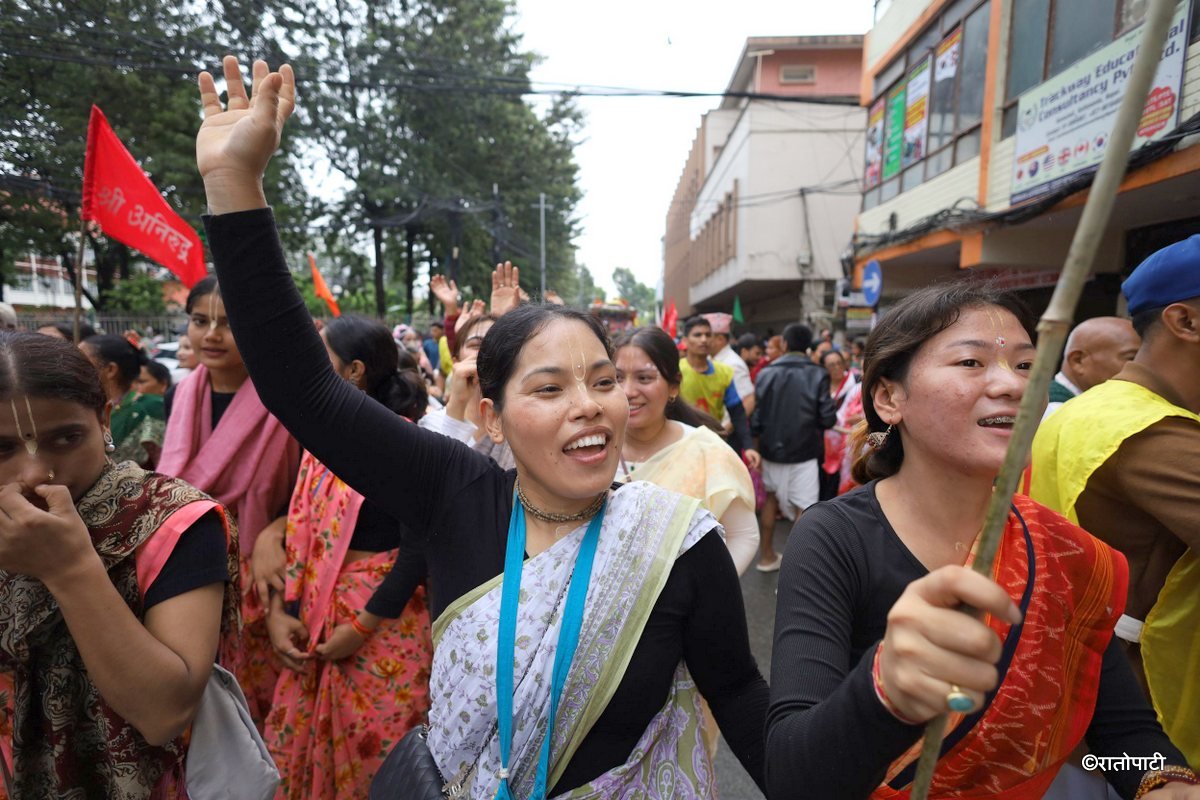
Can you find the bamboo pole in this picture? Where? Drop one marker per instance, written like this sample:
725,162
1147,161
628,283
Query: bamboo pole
1055,323
79,278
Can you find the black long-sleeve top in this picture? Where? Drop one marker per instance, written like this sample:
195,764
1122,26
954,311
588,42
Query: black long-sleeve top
828,736
433,484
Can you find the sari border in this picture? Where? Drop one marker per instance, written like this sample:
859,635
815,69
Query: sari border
631,632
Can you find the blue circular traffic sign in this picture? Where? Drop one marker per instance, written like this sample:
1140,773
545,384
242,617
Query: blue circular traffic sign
872,282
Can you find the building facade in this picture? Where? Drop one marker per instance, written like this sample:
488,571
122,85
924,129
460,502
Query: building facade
986,122
768,195
42,284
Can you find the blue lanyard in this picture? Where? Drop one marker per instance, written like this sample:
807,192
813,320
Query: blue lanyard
568,640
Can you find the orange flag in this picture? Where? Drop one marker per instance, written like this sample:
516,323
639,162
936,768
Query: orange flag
320,289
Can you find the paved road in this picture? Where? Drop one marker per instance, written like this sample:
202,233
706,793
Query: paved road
758,590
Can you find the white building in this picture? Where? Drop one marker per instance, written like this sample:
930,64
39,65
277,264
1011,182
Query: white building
767,200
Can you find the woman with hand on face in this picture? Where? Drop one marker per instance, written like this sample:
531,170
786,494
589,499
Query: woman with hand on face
221,439
869,641
356,644
599,707
114,589
138,420
675,445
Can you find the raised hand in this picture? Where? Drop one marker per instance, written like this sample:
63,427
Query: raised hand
476,309
446,292
552,297
506,288
235,144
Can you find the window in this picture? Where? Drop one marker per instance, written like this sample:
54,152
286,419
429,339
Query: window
973,67
929,103
797,73
1080,27
1047,36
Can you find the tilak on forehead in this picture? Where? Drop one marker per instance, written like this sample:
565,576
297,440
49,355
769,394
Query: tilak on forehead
30,439
578,364
996,325
212,311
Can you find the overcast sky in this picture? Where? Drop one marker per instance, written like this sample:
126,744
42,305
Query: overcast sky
635,148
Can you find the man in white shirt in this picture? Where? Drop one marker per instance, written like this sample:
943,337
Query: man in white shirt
724,353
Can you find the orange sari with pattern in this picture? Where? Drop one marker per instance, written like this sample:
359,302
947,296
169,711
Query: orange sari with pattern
332,724
1071,588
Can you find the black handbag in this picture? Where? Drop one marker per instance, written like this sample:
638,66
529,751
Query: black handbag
409,772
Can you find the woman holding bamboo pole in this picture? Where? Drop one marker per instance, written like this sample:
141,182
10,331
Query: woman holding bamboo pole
868,642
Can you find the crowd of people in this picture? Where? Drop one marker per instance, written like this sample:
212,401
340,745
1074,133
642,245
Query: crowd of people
502,559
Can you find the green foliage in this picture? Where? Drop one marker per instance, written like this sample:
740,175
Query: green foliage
638,294
400,98
56,60
137,294
397,119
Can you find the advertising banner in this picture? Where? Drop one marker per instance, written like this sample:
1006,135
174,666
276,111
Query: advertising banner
916,114
947,56
893,148
1063,125
874,171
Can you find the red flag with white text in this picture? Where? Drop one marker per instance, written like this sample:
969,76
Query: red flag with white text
119,196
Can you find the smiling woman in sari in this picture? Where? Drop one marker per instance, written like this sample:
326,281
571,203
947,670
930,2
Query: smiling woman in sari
563,676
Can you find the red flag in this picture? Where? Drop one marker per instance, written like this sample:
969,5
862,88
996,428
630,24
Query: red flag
321,290
670,319
128,207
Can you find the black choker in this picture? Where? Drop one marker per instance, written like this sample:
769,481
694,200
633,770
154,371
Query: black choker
549,516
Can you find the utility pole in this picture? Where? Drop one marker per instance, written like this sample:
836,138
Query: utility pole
542,216
456,231
495,223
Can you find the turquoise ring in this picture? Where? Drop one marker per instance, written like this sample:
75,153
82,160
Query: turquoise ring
959,701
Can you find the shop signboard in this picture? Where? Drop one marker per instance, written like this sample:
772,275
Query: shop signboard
874,171
1063,125
893,149
916,114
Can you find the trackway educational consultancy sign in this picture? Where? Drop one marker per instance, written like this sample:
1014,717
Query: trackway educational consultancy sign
1064,124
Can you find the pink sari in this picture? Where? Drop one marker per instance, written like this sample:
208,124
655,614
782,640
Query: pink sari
332,724
247,463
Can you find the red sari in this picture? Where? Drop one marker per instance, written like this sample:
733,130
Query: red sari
332,724
1016,746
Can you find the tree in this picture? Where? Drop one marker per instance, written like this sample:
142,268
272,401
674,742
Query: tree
137,294
638,295
56,60
417,104
585,290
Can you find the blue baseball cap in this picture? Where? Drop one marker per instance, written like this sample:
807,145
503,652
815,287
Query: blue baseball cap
1167,276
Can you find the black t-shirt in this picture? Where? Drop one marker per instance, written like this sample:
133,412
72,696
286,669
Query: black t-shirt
828,736
220,403
435,485
199,559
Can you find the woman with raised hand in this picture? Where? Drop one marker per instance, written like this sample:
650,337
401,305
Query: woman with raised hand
221,439
599,707
676,446
138,420
356,644
115,585
869,641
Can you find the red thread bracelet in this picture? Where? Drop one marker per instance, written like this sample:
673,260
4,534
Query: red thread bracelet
881,693
359,628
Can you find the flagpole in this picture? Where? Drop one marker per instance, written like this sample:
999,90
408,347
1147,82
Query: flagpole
79,277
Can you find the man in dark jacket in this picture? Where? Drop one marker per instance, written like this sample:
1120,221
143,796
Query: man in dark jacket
794,409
